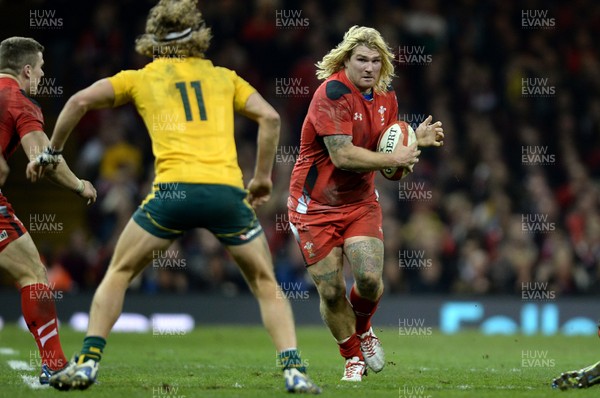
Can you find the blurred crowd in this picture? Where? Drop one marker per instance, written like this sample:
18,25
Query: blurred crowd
512,197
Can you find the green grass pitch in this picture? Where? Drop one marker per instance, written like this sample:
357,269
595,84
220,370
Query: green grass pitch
240,362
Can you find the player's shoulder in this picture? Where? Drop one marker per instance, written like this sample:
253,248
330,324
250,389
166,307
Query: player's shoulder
19,98
223,71
336,89
389,93
26,101
333,89
389,90
129,74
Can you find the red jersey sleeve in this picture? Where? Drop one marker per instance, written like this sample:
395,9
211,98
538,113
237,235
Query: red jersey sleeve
333,113
29,118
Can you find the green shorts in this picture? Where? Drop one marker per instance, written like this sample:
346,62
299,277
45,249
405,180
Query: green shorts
173,208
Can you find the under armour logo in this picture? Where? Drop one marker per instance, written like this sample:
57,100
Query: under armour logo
358,116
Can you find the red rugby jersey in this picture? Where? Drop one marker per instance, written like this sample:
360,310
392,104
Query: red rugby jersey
337,107
19,115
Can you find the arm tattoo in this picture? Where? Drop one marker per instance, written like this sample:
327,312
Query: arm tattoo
335,142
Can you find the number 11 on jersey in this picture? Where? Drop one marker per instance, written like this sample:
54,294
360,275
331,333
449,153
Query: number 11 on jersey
186,101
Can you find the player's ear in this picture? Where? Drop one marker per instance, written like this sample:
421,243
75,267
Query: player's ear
27,71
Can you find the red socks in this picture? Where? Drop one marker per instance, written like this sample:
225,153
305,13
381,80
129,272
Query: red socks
39,311
351,348
363,309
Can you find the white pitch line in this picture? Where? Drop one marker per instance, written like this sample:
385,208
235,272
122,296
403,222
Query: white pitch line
20,365
8,351
33,382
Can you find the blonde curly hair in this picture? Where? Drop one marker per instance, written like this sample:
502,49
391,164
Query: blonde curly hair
356,36
177,24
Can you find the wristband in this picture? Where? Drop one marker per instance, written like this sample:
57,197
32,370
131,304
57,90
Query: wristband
52,151
49,156
81,187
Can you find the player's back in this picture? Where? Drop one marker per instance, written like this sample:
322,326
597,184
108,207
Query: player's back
188,107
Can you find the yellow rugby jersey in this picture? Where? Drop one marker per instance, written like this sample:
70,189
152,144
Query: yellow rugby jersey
188,107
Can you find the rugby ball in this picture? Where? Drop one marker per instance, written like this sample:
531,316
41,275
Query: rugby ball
397,132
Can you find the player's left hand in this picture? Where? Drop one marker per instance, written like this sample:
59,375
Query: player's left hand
259,191
430,134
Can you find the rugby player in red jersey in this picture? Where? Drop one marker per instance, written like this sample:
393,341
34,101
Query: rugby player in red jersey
333,207
21,122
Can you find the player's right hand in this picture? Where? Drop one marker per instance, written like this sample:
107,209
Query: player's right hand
259,191
406,156
89,192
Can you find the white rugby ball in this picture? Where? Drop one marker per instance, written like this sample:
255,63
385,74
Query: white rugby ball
396,132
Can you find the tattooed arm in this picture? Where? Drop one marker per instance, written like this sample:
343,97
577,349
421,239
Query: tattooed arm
346,156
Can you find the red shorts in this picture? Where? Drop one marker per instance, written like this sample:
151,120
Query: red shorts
11,228
318,233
